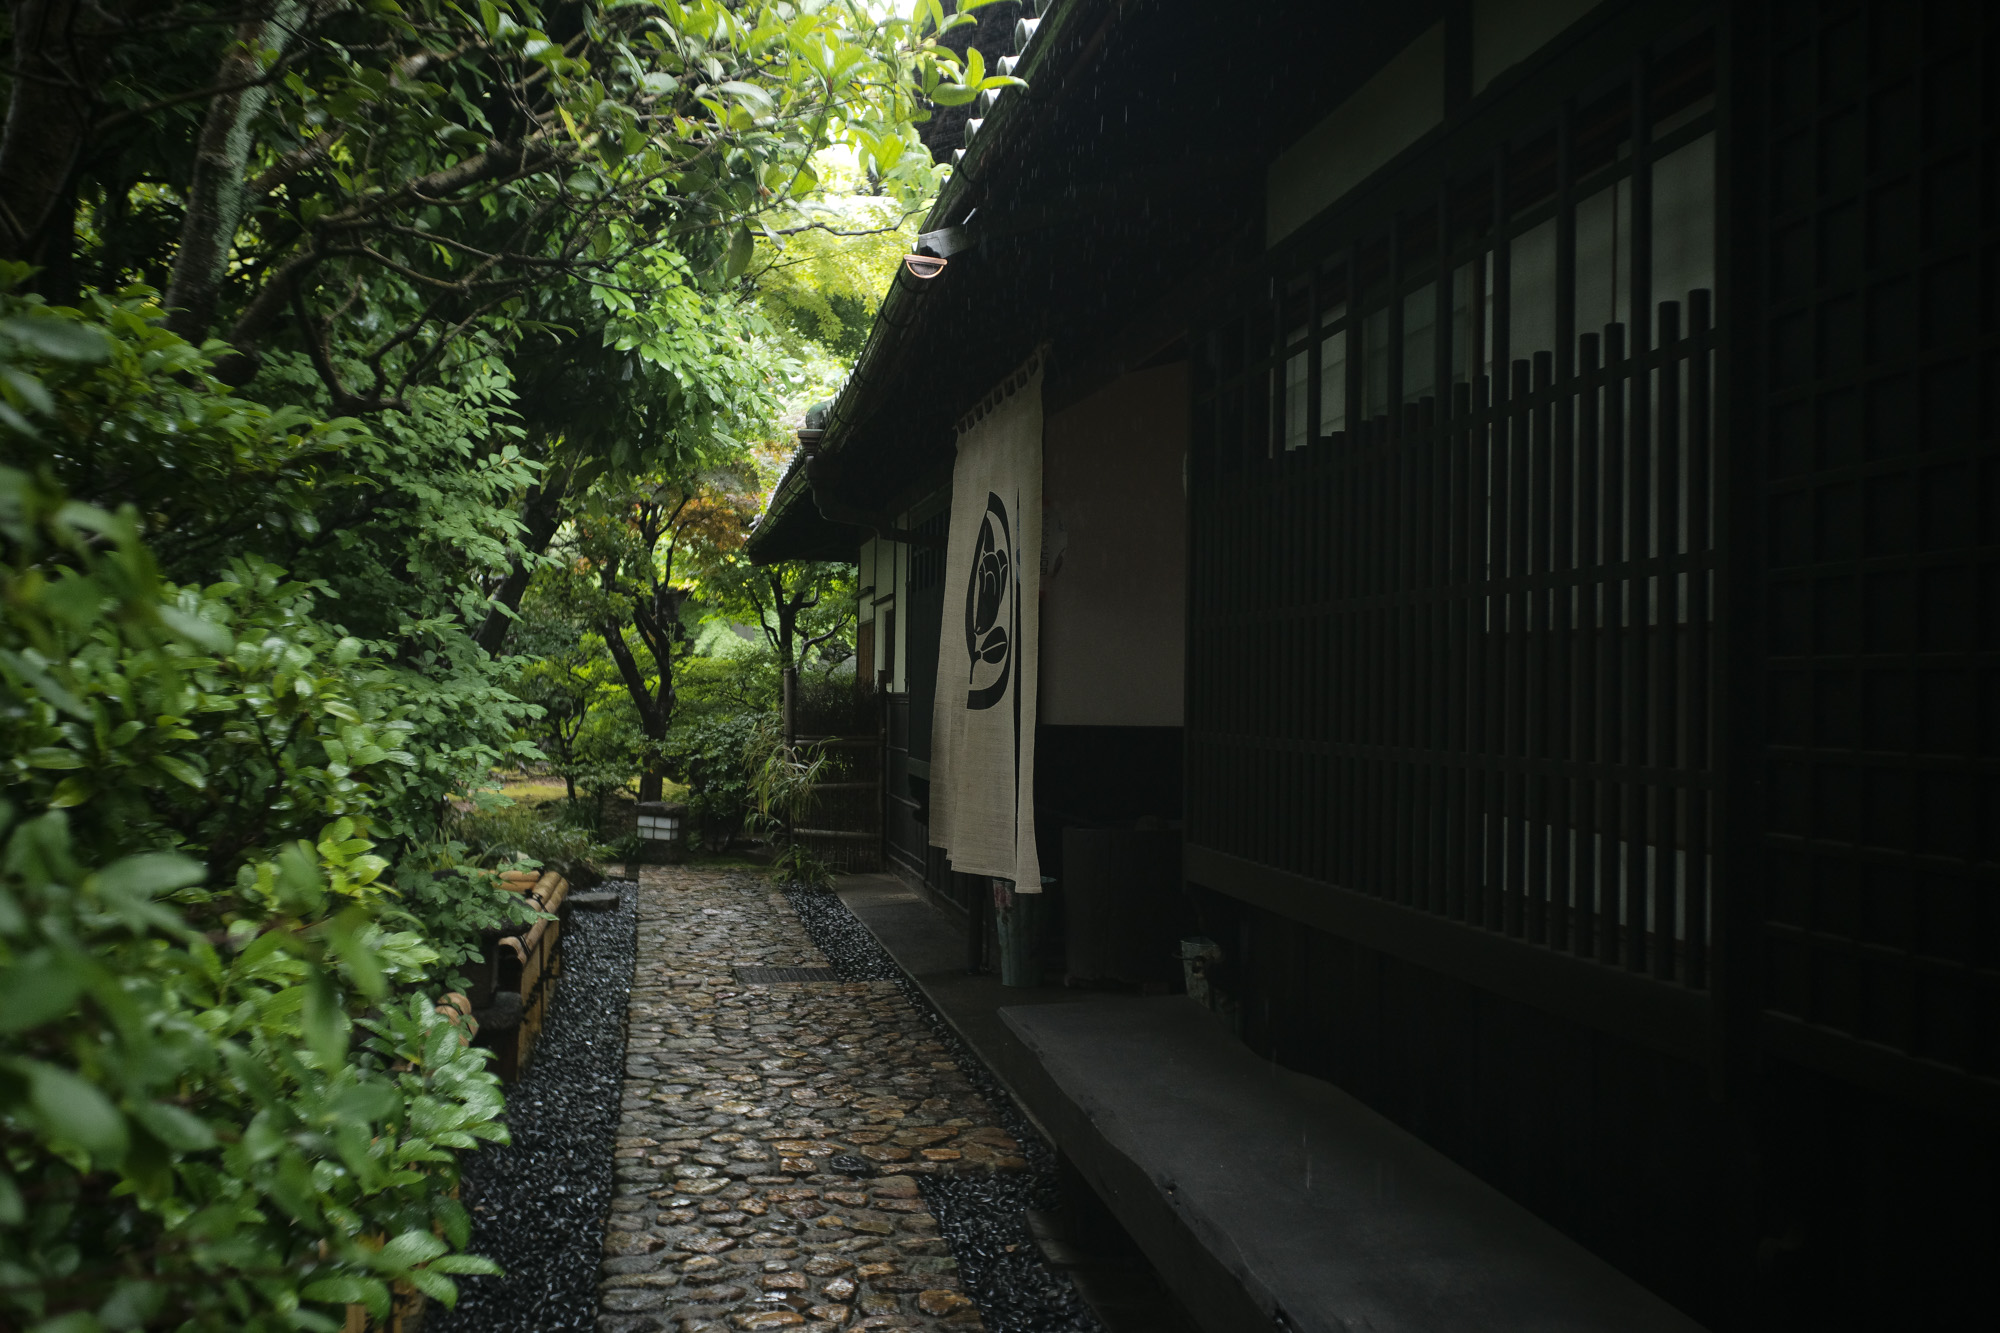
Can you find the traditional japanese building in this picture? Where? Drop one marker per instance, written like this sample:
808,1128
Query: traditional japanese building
1519,507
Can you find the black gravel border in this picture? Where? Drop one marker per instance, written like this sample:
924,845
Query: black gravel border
979,1216
538,1204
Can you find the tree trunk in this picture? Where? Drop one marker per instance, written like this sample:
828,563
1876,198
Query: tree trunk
541,515
56,57
786,608
789,683
659,627
220,186
652,724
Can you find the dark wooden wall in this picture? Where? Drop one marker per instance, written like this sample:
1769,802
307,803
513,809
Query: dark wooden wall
1802,1203
1820,1150
1873,492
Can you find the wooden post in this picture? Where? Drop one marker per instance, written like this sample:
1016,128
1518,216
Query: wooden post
791,725
975,923
791,679
881,701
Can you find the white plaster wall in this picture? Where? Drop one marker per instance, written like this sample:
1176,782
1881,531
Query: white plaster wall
881,571
1114,537
866,588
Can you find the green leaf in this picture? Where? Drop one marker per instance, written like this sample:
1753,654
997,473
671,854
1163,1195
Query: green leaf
38,990
29,388
464,1264
435,1285
180,770
749,91
149,875
196,630
741,247
367,1102
322,1019
43,684
450,1215
180,1130
71,792
73,1111
347,933
131,1304
410,1249
299,881
292,1188
349,1289
59,338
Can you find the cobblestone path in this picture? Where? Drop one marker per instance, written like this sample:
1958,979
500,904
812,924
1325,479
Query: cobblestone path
746,1107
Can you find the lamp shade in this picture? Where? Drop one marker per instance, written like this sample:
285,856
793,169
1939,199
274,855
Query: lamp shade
663,828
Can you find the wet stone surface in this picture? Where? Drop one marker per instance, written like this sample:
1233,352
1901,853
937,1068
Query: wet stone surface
979,1214
776,1142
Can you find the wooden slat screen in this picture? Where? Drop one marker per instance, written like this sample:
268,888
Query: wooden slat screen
1453,545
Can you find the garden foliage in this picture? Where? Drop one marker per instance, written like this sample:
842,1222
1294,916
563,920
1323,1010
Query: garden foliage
318,323
224,1097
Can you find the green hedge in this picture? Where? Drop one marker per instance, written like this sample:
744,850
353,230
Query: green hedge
226,1098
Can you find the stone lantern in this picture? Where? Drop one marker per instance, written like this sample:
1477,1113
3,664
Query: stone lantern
662,831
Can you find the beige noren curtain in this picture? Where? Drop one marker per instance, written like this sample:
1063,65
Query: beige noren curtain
983,732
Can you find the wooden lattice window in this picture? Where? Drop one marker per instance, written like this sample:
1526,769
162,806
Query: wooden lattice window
1879,481
1453,540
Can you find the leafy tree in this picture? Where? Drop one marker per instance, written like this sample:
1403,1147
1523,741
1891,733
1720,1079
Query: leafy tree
822,264
454,157
706,751
804,608
198,1123
318,323
569,676
368,201
630,548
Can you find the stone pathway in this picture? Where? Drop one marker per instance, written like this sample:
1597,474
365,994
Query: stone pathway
772,1135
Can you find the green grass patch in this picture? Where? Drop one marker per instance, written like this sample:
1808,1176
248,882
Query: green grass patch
539,789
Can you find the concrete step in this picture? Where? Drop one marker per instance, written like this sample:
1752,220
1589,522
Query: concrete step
1266,1198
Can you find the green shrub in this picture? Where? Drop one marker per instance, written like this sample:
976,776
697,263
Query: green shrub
784,789
706,752
226,1100
610,749
561,835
